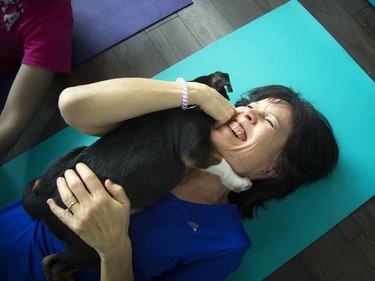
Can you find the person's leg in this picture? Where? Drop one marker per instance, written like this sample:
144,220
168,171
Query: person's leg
25,96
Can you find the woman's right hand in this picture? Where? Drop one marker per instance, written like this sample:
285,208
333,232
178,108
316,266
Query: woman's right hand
94,203
99,214
211,102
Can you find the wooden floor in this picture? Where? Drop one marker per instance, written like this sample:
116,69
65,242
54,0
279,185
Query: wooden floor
347,252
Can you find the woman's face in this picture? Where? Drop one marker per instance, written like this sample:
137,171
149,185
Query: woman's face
253,138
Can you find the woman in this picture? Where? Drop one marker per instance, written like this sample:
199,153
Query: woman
194,232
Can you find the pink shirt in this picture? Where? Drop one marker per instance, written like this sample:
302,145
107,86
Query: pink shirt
37,32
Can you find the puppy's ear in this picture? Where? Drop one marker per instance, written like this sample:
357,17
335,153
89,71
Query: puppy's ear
220,81
226,81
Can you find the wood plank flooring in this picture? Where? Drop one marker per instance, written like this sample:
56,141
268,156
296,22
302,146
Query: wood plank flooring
347,252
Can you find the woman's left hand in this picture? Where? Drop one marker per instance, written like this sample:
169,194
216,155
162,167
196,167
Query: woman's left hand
98,214
211,102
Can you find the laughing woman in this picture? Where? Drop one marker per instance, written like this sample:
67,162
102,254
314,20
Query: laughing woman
276,139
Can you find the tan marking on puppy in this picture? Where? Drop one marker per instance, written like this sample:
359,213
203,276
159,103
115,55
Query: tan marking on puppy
36,186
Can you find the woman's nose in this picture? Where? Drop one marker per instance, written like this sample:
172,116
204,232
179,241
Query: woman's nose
251,115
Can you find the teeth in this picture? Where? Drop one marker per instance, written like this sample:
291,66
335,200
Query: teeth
234,129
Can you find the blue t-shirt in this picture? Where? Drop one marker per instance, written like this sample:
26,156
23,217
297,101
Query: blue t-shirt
172,240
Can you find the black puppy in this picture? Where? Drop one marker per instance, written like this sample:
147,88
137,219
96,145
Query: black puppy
148,155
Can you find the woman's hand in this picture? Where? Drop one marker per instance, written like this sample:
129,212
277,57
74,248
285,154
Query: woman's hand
211,102
97,214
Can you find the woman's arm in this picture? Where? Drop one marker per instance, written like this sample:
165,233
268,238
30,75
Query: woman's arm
100,107
118,266
88,218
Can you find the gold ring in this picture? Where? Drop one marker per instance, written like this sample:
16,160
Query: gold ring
70,206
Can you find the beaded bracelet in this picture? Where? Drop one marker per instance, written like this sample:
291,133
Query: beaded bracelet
185,93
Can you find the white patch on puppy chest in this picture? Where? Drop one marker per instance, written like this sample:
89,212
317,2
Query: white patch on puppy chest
228,177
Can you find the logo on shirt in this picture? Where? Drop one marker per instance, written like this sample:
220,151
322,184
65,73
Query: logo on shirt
193,225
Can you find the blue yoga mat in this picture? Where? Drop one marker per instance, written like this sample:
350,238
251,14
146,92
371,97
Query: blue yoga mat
286,46
100,24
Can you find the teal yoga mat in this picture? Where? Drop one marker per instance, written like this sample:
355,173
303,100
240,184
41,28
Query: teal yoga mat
286,46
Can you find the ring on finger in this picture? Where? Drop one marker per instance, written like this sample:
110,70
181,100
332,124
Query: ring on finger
70,207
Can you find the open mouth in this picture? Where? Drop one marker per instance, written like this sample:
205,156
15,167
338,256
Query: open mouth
237,131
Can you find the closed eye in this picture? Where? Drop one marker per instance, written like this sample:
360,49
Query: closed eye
269,121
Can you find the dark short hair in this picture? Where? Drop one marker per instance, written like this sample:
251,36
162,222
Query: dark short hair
310,154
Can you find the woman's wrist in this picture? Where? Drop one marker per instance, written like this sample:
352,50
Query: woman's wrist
198,93
117,264
117,250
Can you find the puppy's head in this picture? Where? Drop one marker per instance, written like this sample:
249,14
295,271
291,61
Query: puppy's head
219,81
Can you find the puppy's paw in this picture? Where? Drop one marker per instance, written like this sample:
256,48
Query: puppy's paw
54,270
36,186
240,184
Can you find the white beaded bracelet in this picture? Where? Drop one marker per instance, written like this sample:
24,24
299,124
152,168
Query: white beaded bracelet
185,93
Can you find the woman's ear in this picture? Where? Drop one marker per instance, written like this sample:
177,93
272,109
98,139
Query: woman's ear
273,172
